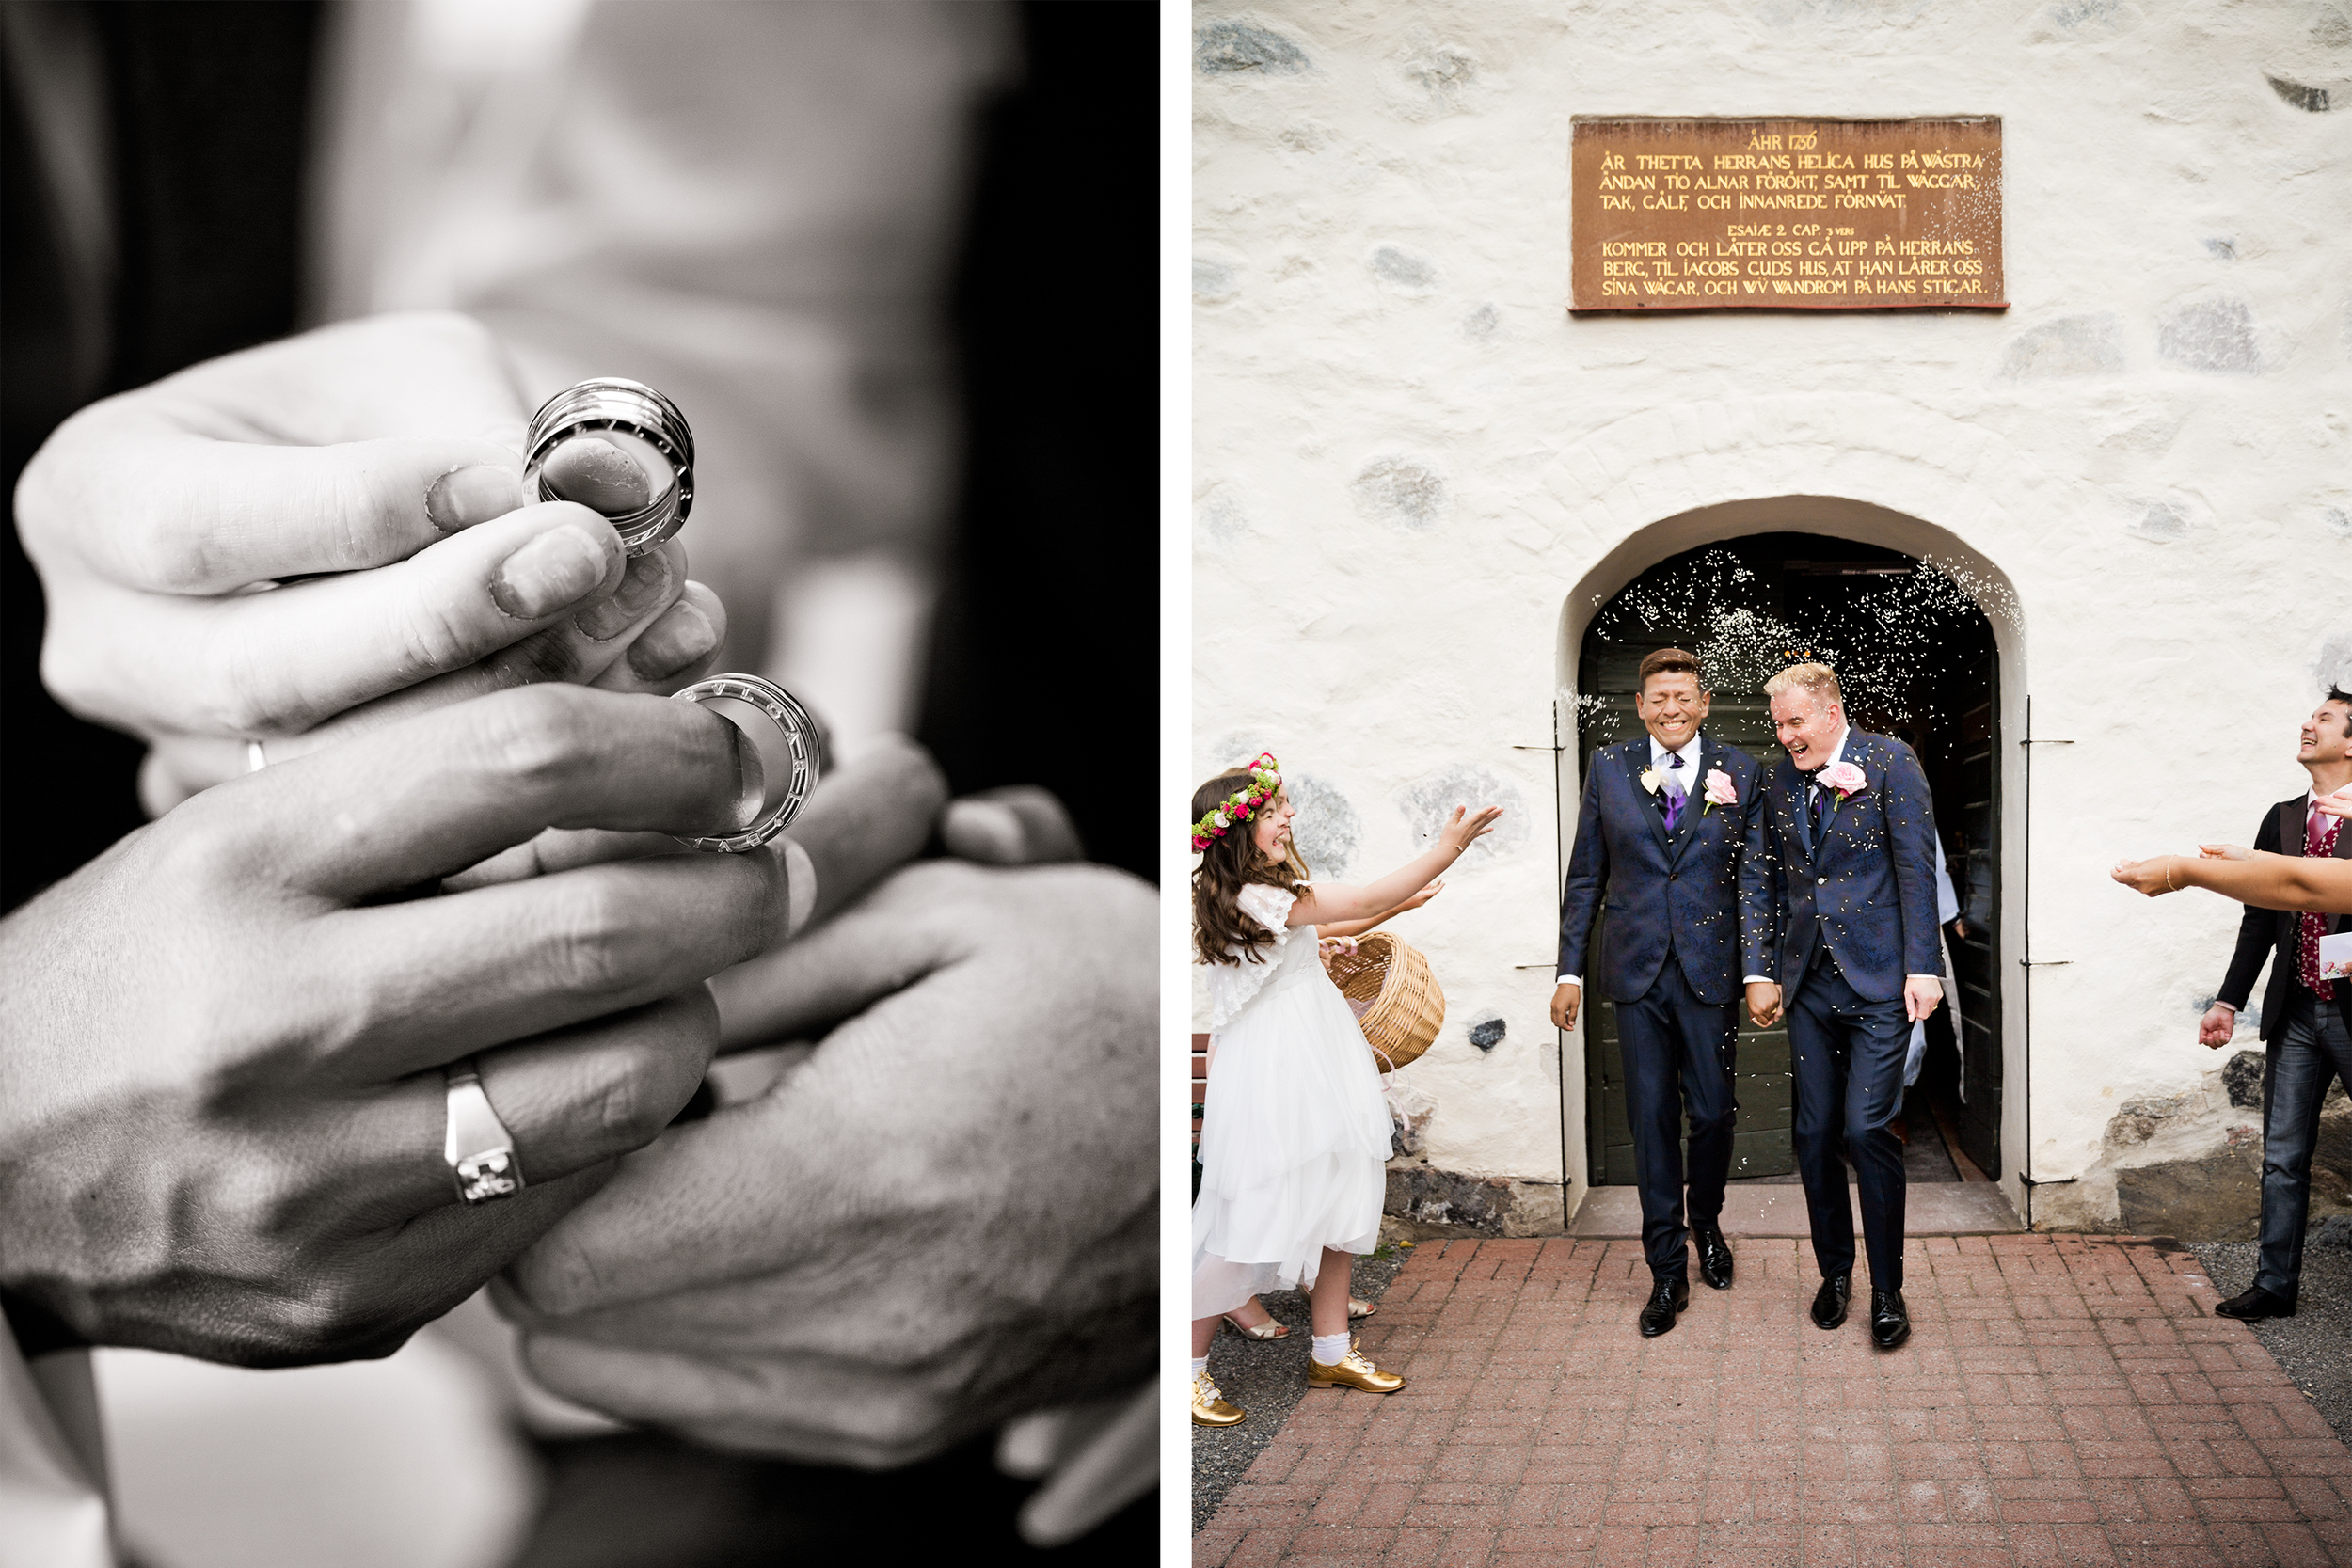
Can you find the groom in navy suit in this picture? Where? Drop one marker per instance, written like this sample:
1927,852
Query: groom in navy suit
1670,827
1852,832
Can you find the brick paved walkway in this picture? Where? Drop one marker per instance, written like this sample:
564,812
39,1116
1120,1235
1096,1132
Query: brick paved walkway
2062,1400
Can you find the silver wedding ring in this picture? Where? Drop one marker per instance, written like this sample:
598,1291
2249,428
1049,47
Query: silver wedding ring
254,759
610,402
480,1150
802,742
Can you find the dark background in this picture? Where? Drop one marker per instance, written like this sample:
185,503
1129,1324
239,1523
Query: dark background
1045,662
1044,666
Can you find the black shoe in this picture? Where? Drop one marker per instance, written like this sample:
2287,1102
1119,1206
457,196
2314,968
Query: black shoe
1668,1295
1890,1323
1828,1302
2253,1306
1714,1255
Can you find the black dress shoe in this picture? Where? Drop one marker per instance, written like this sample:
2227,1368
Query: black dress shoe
2253,1306
1714,1256
1890,1323
1828,1302
1670,1295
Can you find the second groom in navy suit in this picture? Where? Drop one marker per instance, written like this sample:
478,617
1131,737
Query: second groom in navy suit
1671,829
1852,831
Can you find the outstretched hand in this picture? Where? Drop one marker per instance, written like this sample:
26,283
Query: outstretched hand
2154,877
1465,830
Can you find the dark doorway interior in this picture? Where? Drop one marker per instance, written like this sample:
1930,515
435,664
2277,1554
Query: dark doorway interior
1918,659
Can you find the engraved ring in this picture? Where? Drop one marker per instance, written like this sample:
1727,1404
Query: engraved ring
480,1150
613,402
802,739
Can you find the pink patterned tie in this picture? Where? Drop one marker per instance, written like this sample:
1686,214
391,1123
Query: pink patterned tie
2318,839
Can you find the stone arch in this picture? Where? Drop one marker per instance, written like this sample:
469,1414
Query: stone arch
1868,467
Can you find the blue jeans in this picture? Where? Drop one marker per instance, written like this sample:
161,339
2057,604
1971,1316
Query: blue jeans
2312,1050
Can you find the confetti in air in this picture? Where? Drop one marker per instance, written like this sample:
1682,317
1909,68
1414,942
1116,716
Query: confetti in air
1896,635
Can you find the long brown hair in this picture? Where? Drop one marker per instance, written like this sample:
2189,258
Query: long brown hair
1230,864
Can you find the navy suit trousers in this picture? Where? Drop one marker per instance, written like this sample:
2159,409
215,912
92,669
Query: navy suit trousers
1848,1061
1679,1055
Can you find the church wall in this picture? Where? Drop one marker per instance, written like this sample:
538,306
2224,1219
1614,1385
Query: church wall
1415,476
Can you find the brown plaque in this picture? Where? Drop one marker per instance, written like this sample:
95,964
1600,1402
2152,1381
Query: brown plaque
1807,214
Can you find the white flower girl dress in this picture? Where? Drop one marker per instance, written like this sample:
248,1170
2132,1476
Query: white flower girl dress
1294,1131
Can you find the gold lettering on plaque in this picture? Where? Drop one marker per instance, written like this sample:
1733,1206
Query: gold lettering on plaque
1785,213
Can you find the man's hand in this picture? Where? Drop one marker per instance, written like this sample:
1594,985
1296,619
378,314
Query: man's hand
368,476
221,1109
1922,995
946,1216
2217,1027
1763,1003
1564,1005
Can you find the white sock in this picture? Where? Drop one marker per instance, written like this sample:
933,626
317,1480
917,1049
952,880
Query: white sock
1331,1348
1200,1364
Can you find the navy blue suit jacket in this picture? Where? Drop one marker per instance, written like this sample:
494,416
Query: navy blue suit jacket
1704,894
1869,888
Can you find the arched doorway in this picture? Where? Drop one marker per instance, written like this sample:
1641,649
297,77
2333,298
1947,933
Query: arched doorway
1919,659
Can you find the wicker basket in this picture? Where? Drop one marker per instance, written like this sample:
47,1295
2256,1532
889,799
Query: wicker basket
1403,1009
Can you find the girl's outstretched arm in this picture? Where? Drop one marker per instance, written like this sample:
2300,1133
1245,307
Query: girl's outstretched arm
1325,904
1358,927
2265,881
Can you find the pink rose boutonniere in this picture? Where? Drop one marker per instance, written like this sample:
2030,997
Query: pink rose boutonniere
1721,791
1845,778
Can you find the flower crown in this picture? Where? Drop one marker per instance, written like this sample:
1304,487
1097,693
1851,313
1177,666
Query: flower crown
1265,779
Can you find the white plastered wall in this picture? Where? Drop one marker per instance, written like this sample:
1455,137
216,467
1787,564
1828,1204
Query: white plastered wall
1416,475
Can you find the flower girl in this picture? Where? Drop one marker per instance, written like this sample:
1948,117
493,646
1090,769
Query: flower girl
1294,1132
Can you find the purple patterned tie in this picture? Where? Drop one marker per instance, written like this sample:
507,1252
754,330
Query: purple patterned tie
1820,805
1675,792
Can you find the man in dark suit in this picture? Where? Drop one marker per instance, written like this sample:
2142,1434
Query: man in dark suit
1671,829
2304,1019
1851,829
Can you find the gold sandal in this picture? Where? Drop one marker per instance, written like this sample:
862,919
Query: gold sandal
1358,1307
1263,1333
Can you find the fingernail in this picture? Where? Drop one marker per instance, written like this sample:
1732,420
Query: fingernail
682,635
559,567
642,588
475,494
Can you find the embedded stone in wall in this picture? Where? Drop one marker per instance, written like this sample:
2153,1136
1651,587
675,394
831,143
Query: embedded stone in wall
1326,829
1400,491
2069,347
2160,522
1402,268
1428,805
2210,335
2217,1198
1487,1031
2242,1075
1223,48
1433,1202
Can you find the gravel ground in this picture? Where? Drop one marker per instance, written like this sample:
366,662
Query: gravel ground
2315,1345
1267,1380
